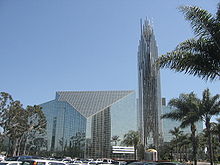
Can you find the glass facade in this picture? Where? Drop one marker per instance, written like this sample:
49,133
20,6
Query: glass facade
63,124
169,124
116,120
149,99
109,113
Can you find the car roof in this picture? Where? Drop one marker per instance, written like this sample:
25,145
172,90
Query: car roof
43,160
9,162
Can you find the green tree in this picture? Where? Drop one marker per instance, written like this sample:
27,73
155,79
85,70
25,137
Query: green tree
187,107
216,129
115,139
166,151
13,125
20,125
35,125
199,56
5,104
176,132
77,144
209,106
132,138
216,132
203,144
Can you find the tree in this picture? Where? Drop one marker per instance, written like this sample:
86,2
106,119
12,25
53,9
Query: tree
184,145
115,139
132,138
216,132
187,107
20,125
216,129
177,133
209,107
77,144
5,104
11,121
15,125
35,125
199,56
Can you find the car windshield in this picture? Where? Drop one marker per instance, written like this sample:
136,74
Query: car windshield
15,158
3,163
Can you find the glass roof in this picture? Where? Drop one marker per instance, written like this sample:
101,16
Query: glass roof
89,103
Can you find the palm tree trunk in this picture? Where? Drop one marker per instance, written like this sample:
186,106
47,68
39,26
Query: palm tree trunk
194,143
135,153
177,153
186,155
207,124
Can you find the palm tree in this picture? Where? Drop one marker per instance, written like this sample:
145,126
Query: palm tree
209,107
216,129
184,142
187,106
132,138
177,133
199,56
115,139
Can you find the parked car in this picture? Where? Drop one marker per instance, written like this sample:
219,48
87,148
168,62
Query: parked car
2,158
10,163
142,163
170,163
42,162
21,158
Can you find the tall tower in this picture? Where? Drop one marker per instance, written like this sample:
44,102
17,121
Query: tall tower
149,101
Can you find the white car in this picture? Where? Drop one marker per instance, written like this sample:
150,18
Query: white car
42,162
10,163
2,158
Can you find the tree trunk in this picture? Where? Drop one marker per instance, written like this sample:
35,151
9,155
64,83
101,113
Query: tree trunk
19,146
25,146
186,155
15,147
194,143
207,124
135,153
177,152
180,152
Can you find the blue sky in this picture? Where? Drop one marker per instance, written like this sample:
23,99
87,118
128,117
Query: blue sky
76,45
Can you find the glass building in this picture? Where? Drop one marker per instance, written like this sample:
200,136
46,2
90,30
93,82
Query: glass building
88,120
149,92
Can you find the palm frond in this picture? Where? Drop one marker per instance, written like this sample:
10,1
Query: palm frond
200,19
194,57
218,13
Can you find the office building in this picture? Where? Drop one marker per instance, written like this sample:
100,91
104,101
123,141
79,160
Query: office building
149,96
88,120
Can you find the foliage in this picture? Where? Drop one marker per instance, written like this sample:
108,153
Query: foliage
21,127
199,56
76,146
187,107
190,109
115,139
209,107
132,138
216,129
